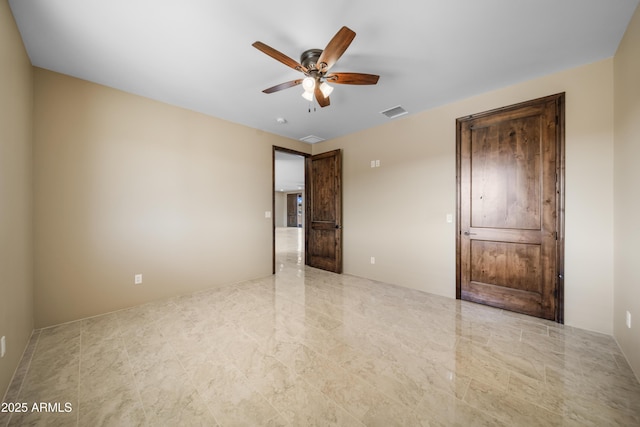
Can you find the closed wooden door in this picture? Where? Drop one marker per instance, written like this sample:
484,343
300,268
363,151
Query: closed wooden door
292,210
323,180
510,207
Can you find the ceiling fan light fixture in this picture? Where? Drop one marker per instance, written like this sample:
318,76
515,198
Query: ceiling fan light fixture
314,64
309,83
326,89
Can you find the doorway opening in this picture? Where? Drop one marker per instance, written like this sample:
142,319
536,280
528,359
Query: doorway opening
288,208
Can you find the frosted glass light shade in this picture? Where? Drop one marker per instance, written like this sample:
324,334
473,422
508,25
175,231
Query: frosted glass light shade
326,89
308,84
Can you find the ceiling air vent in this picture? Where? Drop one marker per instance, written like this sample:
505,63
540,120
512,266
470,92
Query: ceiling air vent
311,139
394,112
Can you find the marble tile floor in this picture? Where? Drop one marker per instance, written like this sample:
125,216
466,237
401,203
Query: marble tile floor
305,347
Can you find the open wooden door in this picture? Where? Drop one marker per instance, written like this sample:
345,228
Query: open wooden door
292,210
323,185
510,207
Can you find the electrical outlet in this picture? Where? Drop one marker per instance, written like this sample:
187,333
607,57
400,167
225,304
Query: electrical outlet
3,346
628,319
377,163
373,163
137,279
373,260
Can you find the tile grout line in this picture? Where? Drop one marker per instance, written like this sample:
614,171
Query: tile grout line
27,368
130,365
191,383
79,374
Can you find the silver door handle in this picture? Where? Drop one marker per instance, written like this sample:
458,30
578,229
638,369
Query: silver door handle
466,233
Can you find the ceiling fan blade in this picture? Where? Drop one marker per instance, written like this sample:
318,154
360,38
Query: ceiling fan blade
336,47
352,78
322,101
279,56
282,86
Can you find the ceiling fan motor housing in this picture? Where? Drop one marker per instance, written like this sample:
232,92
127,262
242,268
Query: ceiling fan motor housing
309,59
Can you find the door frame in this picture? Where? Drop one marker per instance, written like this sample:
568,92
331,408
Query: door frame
560,193
273,197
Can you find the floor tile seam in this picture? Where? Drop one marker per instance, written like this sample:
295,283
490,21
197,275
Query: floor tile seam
206,405
575,346
392,339
597,361
505,367
26,371
329,398
545,391
27,368
399,329
510,395
136,385
306,324
78,409
392,398
460,400
355,374
628,365
323,298
255,390
529,319
560,413
306,307
117,339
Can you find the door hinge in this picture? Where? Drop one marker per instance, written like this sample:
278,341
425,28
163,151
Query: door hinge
557,120
556,235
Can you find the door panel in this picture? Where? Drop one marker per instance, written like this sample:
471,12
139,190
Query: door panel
505,184
509,201
292,210
324,211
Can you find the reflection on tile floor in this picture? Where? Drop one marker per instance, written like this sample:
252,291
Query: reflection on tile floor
306,347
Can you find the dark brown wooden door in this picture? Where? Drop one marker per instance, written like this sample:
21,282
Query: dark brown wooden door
292,210
323,181
510,203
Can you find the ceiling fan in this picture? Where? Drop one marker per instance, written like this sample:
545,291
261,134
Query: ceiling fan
315,65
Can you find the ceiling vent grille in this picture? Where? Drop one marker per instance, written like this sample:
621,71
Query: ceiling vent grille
311,139
394,112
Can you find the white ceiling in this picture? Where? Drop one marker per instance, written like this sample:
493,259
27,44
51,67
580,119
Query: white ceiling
197,54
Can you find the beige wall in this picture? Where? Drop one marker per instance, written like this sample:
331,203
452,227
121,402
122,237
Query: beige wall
280,209
397,212
16,253
126,185
627,196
